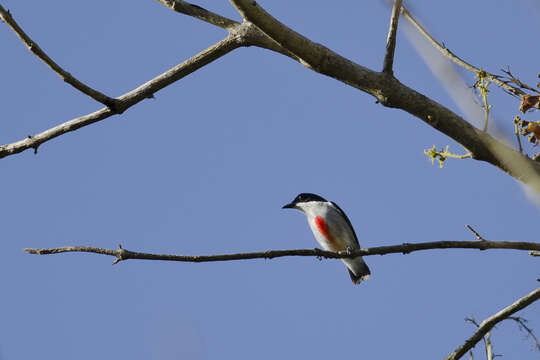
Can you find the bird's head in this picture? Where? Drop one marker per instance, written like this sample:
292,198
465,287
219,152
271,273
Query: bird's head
302,200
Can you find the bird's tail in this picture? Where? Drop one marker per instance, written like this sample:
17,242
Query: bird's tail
361,271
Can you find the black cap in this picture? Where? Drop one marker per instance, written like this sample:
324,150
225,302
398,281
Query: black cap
303,197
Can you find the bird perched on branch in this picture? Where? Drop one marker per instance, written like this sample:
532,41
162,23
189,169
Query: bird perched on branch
332,230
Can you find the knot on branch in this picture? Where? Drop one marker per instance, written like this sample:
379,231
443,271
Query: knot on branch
245,33
320,254
121,254
483,246
406,250
115,106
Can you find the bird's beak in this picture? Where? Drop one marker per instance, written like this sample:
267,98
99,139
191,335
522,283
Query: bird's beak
289,206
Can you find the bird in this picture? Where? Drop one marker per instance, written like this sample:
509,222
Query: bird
332,230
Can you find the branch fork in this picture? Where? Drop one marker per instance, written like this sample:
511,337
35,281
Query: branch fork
485,326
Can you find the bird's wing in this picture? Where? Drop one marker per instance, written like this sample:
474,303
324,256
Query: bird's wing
346,219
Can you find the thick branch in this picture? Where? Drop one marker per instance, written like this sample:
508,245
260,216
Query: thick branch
391,40
391,93
240,34
122,254
489,323
129,99
64,75
276,36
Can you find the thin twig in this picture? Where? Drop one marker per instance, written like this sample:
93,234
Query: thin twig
478,236
516,81
489,323
252,35
517,133
122,254
200,13
64,75
446,52
473,321
391,39
129,99
522,323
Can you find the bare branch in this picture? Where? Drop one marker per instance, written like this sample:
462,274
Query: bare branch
263,30
488,346
200,13
489,323
240,34
122,254
129,99
64,75
252,35
478,236
515,80
522,323
517,132
305,51
391,93
450,55
391,40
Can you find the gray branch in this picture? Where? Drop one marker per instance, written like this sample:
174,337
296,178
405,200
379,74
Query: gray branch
488,346
6,17
253,37
391,40
453,57
200,13
488,324
240,34
392,93
123,254
262,30
129,99
478,236
522,323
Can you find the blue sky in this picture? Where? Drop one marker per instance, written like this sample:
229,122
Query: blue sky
205,167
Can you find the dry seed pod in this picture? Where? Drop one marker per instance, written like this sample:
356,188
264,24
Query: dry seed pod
528,102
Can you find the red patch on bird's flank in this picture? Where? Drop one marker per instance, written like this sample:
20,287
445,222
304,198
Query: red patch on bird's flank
323,228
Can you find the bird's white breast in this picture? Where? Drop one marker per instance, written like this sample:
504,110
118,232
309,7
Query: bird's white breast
339,235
